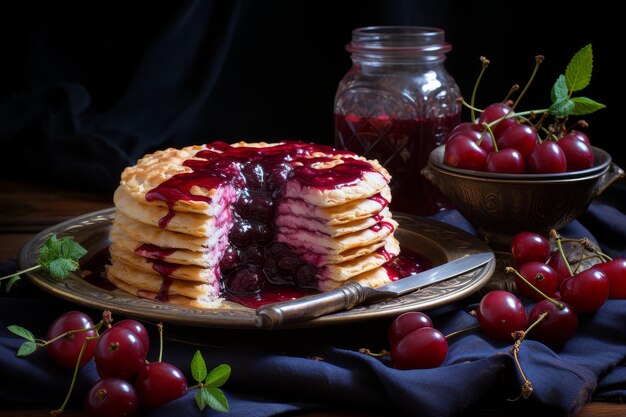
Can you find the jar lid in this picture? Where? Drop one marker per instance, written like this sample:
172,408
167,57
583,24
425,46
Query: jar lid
400,39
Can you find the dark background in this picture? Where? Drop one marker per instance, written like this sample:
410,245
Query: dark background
89,87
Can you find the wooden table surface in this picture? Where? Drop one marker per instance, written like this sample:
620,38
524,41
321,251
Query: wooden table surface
27,208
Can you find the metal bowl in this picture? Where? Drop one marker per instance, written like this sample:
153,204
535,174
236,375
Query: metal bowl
501,205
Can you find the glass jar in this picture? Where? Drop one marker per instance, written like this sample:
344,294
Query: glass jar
396,104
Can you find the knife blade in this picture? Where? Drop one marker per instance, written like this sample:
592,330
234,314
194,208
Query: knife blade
351,294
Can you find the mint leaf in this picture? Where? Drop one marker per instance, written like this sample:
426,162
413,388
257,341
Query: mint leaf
561,108
70,249
584,105
578,71
60,268
198,367
26,349
202,399
46,256
218,376
559,90
216,399
21,332
60,256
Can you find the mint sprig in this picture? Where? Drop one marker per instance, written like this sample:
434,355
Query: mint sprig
58,257
577,76
209,383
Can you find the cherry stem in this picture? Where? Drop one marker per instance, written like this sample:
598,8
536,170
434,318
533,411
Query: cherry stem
485,64
510,269
536,322
539,124
581,123
32,268
538,61
71,332
559,244
76,369
458,332
527,386
493,137
368,352
469,106
513,89
160,328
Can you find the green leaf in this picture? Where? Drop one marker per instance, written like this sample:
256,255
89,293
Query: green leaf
70,249
60,268
60,256
11,282
198,367
45,257
559,90
26,349
216,399
561,108
21,332
202,399
578,71
218,376
584,105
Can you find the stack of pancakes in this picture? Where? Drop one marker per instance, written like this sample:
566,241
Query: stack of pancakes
173,218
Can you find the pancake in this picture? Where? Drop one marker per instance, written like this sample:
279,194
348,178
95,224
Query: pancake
348,269
346,213
184,272
326,228
194,224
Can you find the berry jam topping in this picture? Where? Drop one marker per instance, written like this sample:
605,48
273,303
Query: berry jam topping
380,200
408,263
254,267
153,251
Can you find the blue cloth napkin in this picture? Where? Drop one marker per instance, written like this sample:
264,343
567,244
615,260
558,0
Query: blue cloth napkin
315,369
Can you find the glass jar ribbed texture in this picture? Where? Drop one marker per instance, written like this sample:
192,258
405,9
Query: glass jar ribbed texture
396,104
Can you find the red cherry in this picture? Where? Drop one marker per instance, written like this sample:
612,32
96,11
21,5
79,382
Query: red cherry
462,152
65,351
586,291
547,158
405,323
482,138
506,161
423,348
529,246
158,383
555,329
496,111
500,314
615,270
557,263
139,330
541,276
578,154
111,397
119,353
520,137
578,135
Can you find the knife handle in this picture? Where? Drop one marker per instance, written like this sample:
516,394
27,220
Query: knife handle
347,296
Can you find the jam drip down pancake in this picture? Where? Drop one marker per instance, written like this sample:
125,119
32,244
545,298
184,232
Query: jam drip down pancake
203,223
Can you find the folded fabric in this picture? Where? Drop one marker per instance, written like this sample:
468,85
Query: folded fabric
315,369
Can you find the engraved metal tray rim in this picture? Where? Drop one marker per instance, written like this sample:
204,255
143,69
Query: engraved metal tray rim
438,241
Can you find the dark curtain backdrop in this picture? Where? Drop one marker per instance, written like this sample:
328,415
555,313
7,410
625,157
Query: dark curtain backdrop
89,87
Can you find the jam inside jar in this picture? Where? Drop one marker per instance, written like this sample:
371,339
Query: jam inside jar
396,104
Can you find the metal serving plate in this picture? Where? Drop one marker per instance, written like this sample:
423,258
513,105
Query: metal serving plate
437,241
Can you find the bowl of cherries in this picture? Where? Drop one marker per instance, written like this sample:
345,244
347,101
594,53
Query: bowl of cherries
508,170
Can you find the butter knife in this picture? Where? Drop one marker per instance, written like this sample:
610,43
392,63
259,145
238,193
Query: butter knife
351,294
